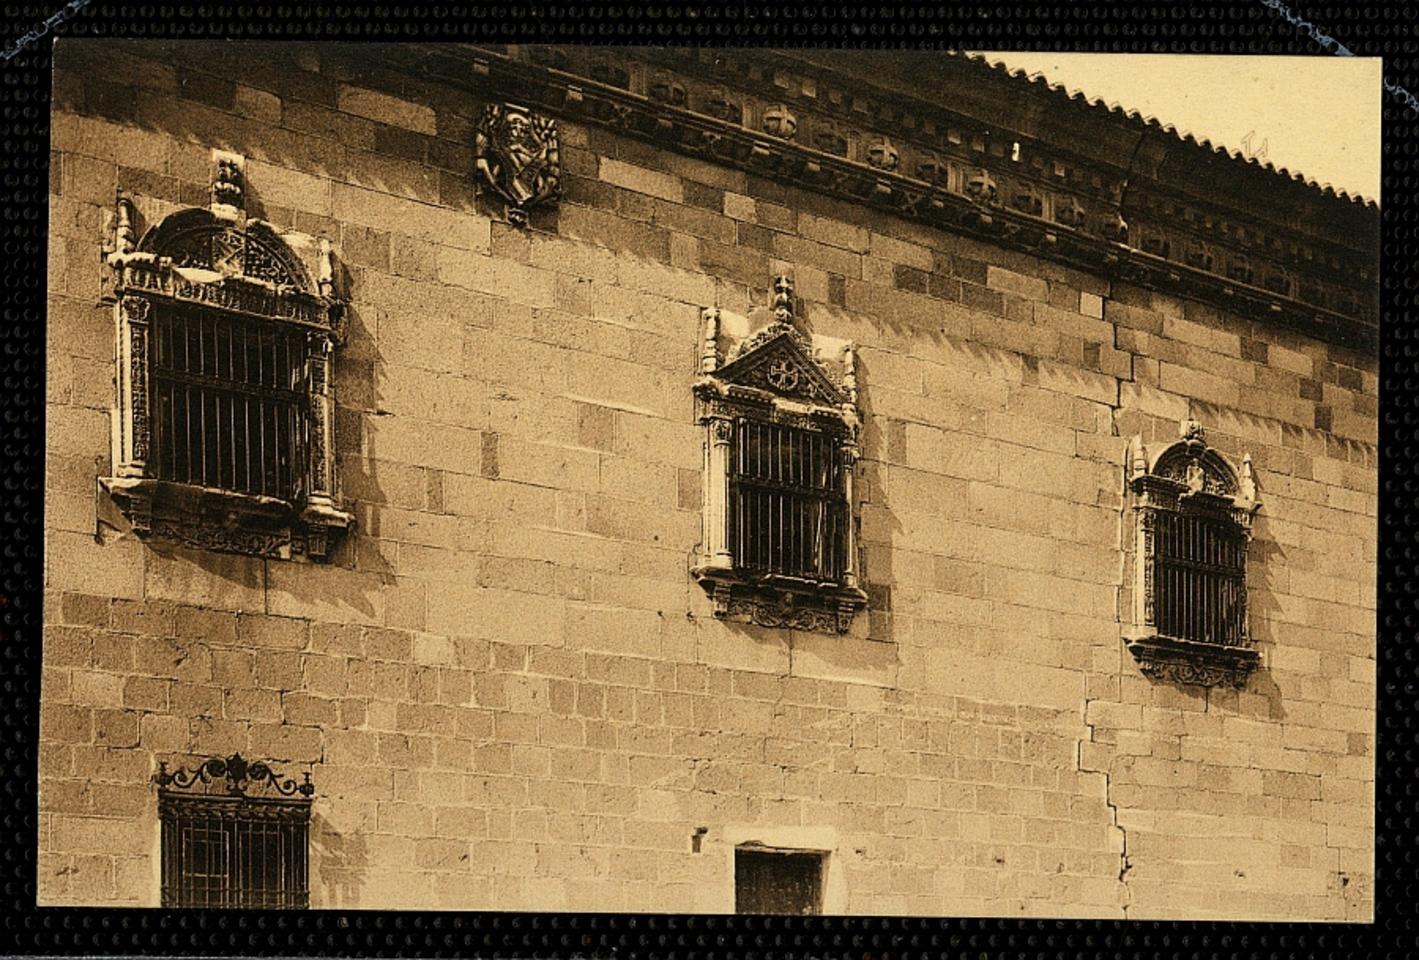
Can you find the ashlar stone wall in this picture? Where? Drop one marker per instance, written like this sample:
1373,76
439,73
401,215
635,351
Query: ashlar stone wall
507,688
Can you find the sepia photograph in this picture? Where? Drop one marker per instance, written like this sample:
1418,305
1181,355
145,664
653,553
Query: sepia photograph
496,477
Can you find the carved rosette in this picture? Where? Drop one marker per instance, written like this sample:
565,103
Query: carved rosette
1185,477
774,375
219,262
517,156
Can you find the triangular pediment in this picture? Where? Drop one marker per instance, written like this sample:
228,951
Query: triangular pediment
782,363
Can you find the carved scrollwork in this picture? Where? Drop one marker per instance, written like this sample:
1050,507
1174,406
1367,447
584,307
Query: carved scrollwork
787,613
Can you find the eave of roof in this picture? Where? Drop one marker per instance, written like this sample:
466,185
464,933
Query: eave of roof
1063,94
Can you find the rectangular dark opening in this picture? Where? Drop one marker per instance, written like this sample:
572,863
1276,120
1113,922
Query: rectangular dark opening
1200,573
787,506
778,881
229,852
228,402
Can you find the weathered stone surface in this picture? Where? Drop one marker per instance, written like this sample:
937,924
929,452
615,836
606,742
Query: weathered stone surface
508,691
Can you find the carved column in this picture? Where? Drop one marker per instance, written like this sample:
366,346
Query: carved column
133,427
321,511
849,454
716,509
1145,615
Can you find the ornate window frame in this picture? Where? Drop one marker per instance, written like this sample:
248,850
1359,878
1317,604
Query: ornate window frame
1186,478
777,375
216,259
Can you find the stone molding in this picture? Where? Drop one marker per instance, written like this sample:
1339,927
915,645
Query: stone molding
1116,197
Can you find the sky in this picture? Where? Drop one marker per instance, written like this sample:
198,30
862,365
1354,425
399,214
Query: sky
1318,115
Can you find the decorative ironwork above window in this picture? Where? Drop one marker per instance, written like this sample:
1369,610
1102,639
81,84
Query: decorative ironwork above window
1192,523
781,425
223,434
234,834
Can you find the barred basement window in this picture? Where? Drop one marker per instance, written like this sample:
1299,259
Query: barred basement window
223,433
785,882
781,423
234,835
1193,516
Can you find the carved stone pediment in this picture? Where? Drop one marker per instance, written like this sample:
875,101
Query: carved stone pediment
779,360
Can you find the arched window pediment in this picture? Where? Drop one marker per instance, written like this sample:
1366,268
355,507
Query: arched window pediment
198,239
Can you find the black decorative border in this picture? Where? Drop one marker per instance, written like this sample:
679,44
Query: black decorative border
1265,26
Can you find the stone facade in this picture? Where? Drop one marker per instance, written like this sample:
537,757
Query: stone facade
508,689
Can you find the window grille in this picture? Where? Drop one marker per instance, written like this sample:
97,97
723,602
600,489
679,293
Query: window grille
230,402
778,882
781,423
241,853
786,506
234,835
1200,575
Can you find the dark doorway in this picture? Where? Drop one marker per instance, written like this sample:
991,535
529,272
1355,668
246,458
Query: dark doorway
778,881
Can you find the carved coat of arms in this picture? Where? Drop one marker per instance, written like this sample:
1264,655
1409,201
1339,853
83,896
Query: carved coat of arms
518,158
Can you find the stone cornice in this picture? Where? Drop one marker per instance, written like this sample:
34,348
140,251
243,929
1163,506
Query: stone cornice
989,155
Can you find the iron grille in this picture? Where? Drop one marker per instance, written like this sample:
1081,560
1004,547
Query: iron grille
787,506
1200,578
237,852
229,402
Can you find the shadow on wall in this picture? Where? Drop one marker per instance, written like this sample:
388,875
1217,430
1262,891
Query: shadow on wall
1269,558
342,860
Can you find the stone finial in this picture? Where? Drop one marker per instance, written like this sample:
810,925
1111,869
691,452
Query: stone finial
123,234
325,281
1246,482
709,354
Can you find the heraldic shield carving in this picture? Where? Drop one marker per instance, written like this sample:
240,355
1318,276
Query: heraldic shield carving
518,158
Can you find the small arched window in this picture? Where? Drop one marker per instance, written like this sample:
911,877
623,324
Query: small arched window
223,434
1192,523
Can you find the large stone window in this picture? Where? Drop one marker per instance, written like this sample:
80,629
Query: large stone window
223,428
235,834
1192,522
781,422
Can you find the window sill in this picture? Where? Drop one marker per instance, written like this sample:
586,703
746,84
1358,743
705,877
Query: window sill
207,518
781,602
1190,662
